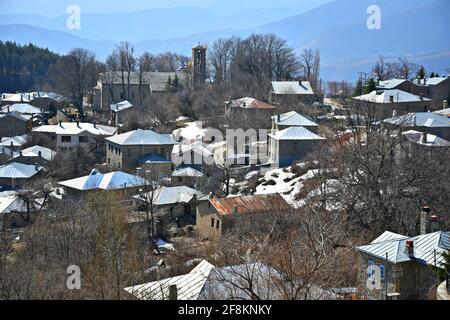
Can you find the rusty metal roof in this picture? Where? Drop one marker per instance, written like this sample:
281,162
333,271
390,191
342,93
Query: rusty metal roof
250,204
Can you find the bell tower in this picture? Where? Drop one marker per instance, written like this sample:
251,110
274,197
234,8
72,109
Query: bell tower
198,66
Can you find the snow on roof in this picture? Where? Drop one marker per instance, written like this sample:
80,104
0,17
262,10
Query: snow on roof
124,105
187,172
293,119
171,195
18,170
37,151
16,97
295,133
108,181
250,103
419,119
16,115
398,96
193,131
10,202
188,285
430,81
141,137
428,248
23,108
197,147
391,83
73,128
292,87
16,141
431,139
444,112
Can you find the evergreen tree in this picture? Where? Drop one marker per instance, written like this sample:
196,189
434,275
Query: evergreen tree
421,72
169,84
432,75
370,86
358,88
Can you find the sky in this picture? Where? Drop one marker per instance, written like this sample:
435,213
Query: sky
52,8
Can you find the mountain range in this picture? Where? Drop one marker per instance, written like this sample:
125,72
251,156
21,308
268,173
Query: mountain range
416,29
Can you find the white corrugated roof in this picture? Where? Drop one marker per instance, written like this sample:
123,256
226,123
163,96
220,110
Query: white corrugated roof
293,119
35,151
432,140
420,119
399,96
10,202
292,87
390,84
24,108
18,170
141,137
427,247
17,141
187,172
171,195
73,128
295,133
121,106
107,181
188,285
431,81
198,147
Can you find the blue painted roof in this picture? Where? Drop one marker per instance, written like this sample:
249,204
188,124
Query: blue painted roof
149,158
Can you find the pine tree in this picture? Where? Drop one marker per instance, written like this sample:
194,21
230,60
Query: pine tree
358,88
421,72
370,86
432,75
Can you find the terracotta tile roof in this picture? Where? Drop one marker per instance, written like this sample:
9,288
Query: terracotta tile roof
250,204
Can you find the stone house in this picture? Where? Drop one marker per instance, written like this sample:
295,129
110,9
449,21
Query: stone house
292,144
68,135
13,124
33,155
395,265
120,111
131,150
292,92
216,216
437,89
399,84
16,175
187,176
249,113
383,104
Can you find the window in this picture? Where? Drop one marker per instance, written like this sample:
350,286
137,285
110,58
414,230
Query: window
382,271
180,179
212,222
83,139
109,160
218,224
66,139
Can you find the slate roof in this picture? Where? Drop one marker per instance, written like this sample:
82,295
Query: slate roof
23,108
293,119
295,133
419,119
141,137
187,172
425,247
391,83
74,128
384,96
18,170
250,103
171,195
249,204
156,80
104,181
188,285
124,105
292,87
432,140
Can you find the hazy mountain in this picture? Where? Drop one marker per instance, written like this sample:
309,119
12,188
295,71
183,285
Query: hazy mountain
414,28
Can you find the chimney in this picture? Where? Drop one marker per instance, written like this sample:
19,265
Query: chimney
95,124
409,248
421,97
445,104
391,99
36,166
57,191
60,124
418,80
424,137
378,81
394,113
173,292
20,152
40,154
7,108
78,124
424,81
278,118
434,223
424,228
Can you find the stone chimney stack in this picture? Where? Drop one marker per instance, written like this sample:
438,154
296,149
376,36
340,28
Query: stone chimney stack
409,248
445,104
434,223
424,137
424,220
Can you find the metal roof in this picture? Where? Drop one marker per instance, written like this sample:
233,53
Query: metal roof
16,141
430,81
171,195
420,119
250,103
197,147
293,119
108,181
431,139
187,172
249,204
292,87
16,115
399,96
124,105
141,137
10,202
19,170
73,128
188,285
427,247
295,133
153,158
